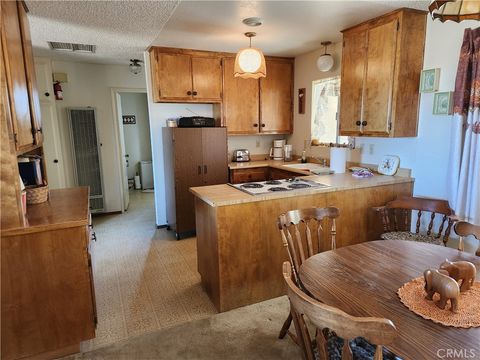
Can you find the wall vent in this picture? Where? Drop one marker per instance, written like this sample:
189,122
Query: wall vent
62,46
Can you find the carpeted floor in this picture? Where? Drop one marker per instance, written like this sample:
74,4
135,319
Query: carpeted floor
245,333
145,280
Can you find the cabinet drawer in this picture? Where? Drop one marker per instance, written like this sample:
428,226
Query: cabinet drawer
278,174
248,175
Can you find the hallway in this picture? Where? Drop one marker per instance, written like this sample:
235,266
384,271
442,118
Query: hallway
145,280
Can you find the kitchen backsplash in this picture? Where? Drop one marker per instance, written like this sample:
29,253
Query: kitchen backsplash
255,144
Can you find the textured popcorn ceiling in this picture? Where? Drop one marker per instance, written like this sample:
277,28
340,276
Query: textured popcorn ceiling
121,30
290,27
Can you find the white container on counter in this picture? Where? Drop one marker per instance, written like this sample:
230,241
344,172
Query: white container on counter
338,159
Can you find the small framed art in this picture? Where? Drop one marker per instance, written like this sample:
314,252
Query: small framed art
443,103
429,80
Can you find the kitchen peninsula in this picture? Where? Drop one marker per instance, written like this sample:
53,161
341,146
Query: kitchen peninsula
238,243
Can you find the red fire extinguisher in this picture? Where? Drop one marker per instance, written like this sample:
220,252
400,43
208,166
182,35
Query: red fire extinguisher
57,89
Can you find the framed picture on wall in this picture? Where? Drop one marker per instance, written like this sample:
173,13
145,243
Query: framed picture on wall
443,103
429,80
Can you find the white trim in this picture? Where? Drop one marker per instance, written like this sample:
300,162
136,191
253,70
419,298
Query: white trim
116,125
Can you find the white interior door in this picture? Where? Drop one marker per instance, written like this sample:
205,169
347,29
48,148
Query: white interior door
126,195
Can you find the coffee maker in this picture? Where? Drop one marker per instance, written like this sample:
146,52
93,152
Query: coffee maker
276,152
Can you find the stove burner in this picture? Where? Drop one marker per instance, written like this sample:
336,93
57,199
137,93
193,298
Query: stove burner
273,182
277,188
298,186
251,186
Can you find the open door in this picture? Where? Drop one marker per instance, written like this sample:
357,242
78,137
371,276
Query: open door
123,155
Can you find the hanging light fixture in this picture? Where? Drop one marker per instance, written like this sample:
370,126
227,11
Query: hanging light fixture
135,66
325,61
455,10
250,62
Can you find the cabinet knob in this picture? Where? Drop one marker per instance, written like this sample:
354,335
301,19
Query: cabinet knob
47,94
55,161
263,125
358,123
255,125
364,123
189,93
194,93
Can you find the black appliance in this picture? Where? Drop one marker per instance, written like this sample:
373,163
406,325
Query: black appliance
196,121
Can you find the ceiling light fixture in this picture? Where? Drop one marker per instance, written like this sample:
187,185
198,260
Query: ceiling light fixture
455,10
325,61
250,62
253,21
135,66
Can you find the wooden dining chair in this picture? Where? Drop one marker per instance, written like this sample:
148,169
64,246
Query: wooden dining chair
396,217
463,229
325,318
302,233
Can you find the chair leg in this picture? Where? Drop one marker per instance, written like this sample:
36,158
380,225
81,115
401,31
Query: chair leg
286,326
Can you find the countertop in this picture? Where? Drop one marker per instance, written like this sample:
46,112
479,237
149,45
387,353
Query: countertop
64,208
223,194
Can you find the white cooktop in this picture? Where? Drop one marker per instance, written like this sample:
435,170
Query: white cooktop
265,187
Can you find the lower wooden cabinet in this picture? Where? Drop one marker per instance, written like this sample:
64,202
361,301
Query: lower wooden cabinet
238,176
48,296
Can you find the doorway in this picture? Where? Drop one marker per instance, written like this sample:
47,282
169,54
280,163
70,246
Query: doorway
135,152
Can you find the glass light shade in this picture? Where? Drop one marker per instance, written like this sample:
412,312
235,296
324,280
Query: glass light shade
250,64
135,68
455,10
325,62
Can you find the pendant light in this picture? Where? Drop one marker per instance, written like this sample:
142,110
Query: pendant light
135,66
455,10
250,62
325,61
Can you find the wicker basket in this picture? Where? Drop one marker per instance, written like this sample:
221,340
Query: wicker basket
37,194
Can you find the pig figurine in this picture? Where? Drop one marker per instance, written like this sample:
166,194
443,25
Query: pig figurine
438,281
460,270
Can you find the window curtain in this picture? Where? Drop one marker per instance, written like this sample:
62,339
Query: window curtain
464,184
323,89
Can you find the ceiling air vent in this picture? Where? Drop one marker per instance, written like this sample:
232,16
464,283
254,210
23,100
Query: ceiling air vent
61,46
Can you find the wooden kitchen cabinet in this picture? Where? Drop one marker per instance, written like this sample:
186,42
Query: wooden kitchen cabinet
263,106
48,296
276,98
241,101
185,76
20,76
238,176
279,174
192,157
381,66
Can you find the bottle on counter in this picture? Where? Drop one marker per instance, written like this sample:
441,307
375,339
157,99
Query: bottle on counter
304,157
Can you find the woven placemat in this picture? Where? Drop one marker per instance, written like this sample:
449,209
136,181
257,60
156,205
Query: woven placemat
412,295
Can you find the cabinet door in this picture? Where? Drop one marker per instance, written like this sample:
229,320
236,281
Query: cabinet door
279,174
171,76
240,101
276,98
188,165
351,87
377,101
30,72
215,164
207,78
16,77
238,176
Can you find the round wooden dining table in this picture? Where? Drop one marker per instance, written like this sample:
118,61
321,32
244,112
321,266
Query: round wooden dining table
363,280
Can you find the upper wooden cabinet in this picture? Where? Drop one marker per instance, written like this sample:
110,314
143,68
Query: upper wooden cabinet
20,75
276,98
185,76
241,101
259,106
381,66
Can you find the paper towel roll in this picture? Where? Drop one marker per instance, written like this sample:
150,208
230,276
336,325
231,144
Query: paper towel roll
338,159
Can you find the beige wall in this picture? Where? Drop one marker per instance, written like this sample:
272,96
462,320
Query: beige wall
90,85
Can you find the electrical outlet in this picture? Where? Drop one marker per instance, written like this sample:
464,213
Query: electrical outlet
257,144
371,149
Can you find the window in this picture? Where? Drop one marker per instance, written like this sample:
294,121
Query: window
325,100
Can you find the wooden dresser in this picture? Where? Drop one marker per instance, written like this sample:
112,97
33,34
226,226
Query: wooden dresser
48,297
